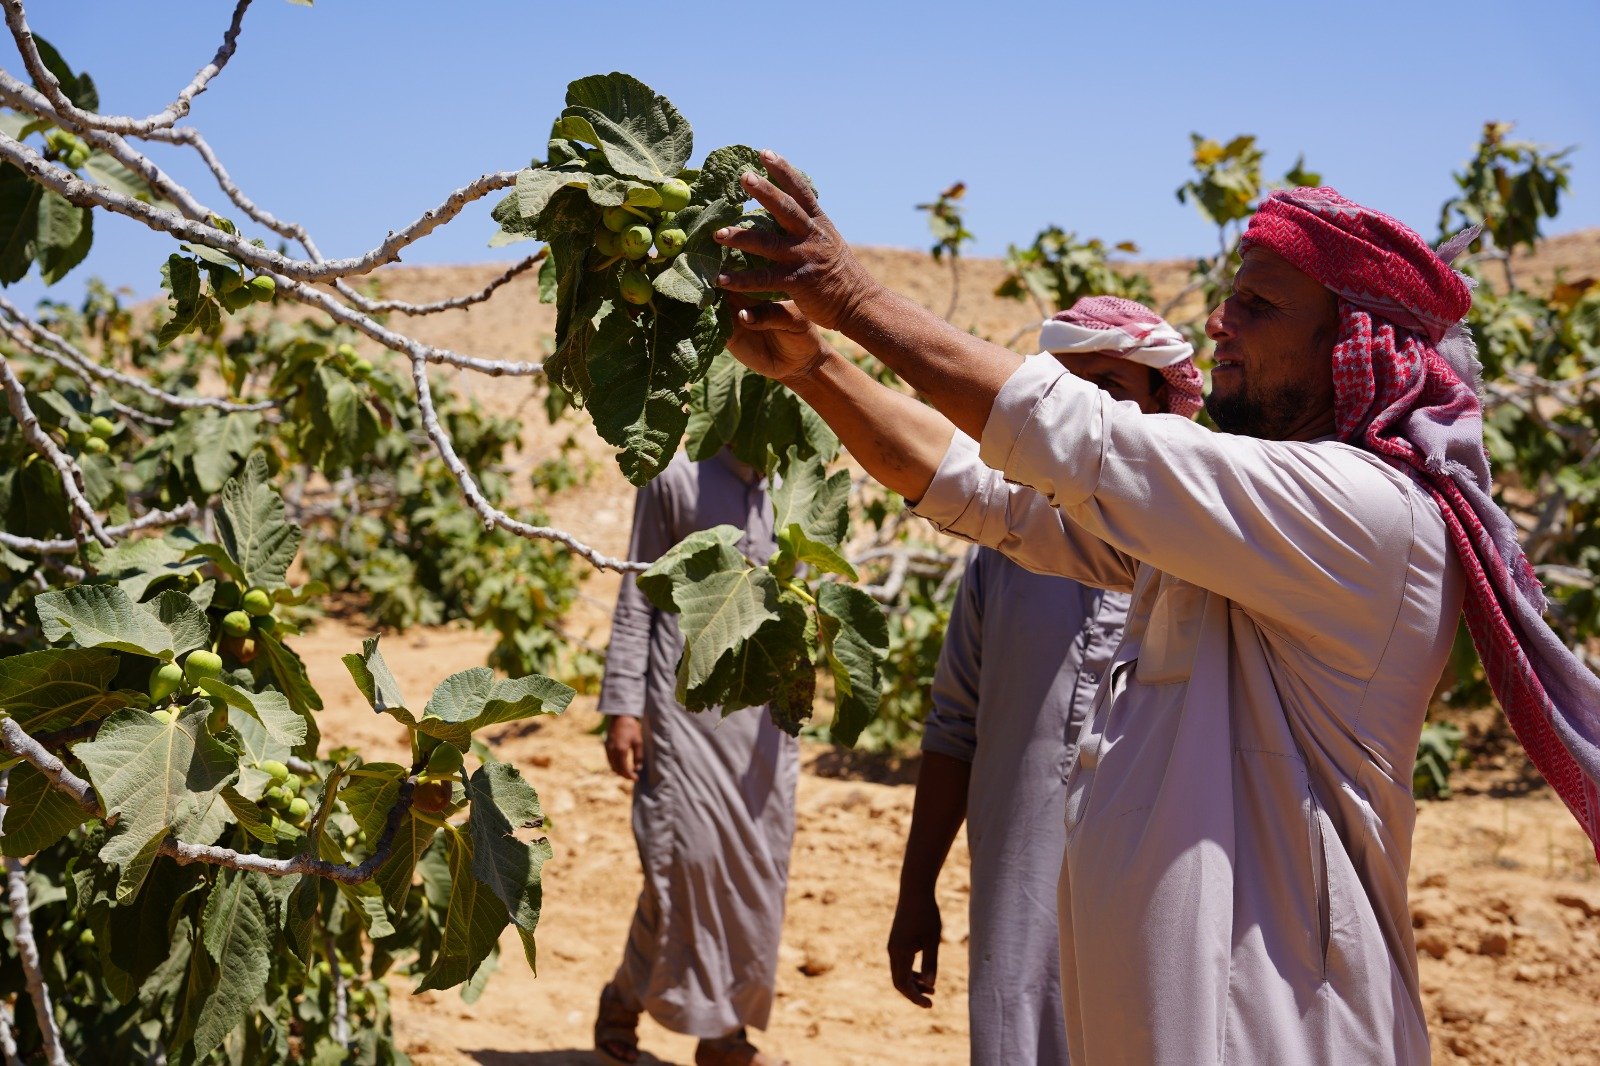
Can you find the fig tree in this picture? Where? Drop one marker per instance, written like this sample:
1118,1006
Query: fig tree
607,243
636,287
236,624
444,761
670,241
617,219
636,241
257,602
96,446
102,427
274,769
674,194
164,681
202,663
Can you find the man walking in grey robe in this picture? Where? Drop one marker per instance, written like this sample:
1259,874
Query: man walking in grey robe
713,801
1239,815
1022,658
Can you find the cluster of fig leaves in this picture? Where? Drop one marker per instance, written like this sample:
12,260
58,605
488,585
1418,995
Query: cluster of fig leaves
167,681
649,364
637,325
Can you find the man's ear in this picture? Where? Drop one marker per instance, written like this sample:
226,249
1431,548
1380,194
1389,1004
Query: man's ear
1158,395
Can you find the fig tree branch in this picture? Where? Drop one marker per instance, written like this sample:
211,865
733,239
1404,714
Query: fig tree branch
375,307
28,955
187,512
71,476
8,1041
16,19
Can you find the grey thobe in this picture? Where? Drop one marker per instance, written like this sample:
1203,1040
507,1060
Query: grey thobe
1239,816
1022,658
713,809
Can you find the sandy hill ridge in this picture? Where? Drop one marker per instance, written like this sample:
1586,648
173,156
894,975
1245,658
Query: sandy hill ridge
1505,890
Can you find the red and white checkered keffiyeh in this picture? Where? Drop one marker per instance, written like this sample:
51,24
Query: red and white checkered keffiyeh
1116,326
1405,382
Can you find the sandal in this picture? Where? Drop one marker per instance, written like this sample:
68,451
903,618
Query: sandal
734,1049
616,1030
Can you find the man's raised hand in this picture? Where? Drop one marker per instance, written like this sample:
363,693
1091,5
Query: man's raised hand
808,260
777,341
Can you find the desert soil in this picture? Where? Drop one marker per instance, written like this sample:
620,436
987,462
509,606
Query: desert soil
1505,893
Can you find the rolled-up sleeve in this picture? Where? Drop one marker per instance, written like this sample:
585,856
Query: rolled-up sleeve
1289,530
951,727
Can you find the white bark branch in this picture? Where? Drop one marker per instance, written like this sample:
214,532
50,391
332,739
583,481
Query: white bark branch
16,19
341,999
28,954
14,738
45,344
376,307
8,1040
71,476
188,512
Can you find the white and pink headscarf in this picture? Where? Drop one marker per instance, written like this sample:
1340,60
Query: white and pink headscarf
1116,326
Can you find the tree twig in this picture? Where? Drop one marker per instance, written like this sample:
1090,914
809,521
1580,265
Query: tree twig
71,476
376,307
28,954
186,512
341,998
8,1040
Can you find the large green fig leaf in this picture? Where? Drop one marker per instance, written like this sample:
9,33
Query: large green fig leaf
811,515
502,802
472,924
37,814
59,687
642,135
856,639
102,616
254,529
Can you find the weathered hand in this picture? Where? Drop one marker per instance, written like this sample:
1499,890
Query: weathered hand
777,341
916,928
810,262
624,746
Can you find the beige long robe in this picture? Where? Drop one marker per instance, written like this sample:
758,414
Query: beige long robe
1239,817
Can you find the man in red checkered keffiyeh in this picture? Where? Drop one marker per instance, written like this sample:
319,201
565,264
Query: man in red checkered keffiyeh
1110,325
1405,377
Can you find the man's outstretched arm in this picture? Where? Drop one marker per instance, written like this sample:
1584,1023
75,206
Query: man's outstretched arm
958,373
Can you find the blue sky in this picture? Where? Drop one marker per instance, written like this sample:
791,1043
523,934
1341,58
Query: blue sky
355,117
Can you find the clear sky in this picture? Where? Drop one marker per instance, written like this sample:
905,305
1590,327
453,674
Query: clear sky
354,117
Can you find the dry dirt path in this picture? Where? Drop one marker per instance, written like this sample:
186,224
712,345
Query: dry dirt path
1505,897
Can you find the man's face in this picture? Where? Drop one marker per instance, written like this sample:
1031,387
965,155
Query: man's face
1273,376
1122,378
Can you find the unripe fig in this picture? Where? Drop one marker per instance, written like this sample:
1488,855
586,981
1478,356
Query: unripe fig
86,938
617,219
228,281
266,623
360,366
431,797
257,602
636,287
164,681
444,761
202,663
294,783
238,299
96,446
674,194
163,716
346,968
298,809
346,350
236,624
274,769
102,427
278,797
636,241
264,288
670,241
607,243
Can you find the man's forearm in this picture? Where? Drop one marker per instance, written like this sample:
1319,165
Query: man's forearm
958,373
898,440
936,815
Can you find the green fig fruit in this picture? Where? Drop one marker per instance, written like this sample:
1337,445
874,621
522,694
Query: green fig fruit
96,446
607,243
236,624
274,769
257,602
299,810
164,681
263,288
636,287
102,427
617,219
670,241
444,761
202,663
674,194
636,241
163,716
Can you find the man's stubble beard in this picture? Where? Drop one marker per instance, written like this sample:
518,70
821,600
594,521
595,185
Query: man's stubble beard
1248,413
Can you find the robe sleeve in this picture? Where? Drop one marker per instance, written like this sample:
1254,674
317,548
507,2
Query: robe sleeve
975,503
951,727
1298,532
622,691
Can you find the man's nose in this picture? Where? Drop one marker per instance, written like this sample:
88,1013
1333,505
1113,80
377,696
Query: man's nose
1215,329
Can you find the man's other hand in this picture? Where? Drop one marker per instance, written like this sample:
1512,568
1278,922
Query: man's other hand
916,930
777,341
806,257
624,746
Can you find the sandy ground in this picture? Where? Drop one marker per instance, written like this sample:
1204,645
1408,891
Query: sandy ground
1506,895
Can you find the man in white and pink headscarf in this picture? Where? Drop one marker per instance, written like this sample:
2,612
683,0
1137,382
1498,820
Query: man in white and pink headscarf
1239,816
1022,658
